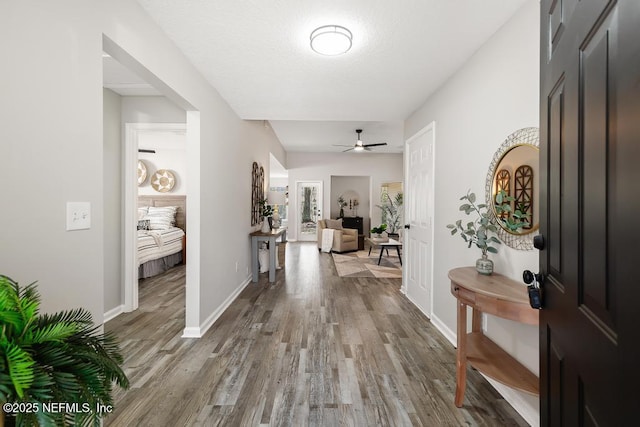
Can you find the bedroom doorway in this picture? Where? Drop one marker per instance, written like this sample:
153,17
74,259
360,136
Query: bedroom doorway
157,154
120,186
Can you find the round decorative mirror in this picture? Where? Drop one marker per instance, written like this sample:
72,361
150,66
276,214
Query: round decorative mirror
512,186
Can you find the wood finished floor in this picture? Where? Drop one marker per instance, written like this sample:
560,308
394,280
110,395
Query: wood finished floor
312,349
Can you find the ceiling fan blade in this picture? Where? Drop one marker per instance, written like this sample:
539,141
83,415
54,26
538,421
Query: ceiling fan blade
374,145
339,145
349,149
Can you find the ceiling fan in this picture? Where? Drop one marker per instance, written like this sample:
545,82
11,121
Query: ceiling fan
359,146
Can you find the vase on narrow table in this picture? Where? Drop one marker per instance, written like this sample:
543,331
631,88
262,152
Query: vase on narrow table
265,225
484,265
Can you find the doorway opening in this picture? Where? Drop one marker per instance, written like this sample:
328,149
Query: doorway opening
125,78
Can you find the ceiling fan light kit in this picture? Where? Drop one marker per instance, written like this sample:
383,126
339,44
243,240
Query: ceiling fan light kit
359,146
331,40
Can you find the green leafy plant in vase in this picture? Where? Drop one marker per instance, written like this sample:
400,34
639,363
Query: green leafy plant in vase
479,232
342,203
377,231
47,359
266,212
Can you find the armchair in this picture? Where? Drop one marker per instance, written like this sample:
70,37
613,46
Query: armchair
344,239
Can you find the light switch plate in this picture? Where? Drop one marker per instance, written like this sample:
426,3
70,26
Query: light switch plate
78,215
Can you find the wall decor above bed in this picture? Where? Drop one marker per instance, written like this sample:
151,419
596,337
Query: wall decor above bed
142,172
163,181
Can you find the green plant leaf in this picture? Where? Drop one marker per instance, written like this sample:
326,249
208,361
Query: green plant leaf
472,197
465,207
492,250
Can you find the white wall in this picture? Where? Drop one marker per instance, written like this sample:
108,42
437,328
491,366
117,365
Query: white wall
494,94
151,109
321,166
51,109
112,161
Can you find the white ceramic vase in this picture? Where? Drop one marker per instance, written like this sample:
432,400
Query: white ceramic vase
265,225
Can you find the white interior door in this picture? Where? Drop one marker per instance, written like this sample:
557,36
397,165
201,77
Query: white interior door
418,239
309,206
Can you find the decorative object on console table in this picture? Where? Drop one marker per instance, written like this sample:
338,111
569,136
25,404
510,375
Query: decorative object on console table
276,199
265,212
477,232
342,203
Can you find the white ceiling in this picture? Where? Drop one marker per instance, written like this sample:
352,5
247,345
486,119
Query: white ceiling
256,54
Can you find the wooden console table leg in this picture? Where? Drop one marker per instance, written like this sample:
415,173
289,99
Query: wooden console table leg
461,355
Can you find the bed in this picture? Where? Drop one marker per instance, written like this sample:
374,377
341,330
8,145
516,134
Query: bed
161,234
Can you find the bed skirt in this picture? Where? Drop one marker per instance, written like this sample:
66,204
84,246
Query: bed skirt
158,266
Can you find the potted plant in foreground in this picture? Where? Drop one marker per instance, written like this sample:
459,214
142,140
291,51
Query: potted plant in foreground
478,231
49,359
392,212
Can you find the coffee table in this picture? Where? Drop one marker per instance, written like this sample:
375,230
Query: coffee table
391,243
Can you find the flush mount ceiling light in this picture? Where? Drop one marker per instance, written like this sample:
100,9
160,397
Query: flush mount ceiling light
331,40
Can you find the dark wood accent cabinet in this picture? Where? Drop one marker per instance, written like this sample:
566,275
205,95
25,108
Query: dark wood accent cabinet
355,222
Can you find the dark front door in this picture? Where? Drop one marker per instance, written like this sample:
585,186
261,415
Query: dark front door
590,200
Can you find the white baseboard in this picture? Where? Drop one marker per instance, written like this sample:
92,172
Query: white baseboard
198,332
444,329
531,414
113,313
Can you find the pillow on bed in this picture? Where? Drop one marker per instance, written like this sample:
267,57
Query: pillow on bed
142,212
144,224
161,218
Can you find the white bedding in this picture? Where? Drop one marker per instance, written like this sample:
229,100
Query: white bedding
154,244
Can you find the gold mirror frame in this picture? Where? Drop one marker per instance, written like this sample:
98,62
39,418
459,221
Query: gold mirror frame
528,137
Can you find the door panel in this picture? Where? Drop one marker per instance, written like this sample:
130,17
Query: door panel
418,240
590,74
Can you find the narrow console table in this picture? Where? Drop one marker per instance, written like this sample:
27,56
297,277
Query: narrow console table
270,237
500,296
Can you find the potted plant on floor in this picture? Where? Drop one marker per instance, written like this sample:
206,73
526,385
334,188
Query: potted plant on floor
392,212
478,232
48,359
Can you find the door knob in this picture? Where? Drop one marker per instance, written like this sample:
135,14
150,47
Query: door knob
538,242
407,226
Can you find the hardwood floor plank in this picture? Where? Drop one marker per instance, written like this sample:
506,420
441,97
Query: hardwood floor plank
310,349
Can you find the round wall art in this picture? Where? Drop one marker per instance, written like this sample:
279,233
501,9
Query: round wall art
142,172
163,181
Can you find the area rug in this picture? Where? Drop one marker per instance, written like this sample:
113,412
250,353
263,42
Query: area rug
360,264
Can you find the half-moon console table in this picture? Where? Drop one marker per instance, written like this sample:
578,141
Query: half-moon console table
500,296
